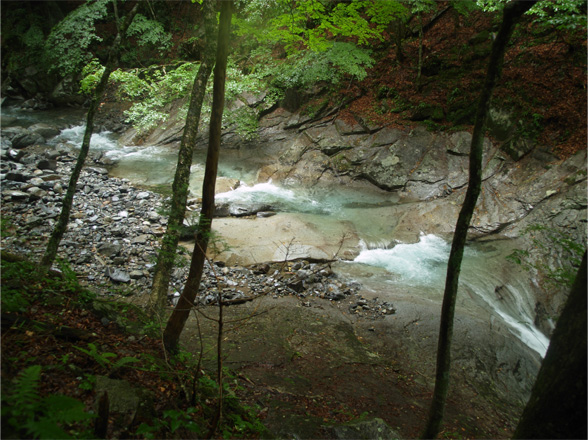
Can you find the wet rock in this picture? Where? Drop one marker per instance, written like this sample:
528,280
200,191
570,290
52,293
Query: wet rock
47,164
45,130
123,397
16,177
26,138
242,210
17,196
266,214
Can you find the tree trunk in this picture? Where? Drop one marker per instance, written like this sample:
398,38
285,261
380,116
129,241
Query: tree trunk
175,324
166,256
512,12
420,60
61,225
557,407
398,39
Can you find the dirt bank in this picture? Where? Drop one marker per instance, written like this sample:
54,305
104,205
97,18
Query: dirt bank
312,364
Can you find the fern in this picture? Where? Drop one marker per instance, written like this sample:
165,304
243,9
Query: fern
25,414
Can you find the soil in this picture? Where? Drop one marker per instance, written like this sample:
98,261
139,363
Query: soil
311,365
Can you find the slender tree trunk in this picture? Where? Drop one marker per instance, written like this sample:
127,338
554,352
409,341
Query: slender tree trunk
61,225
166,256
398,39
557,407
175,324
512,12
420,61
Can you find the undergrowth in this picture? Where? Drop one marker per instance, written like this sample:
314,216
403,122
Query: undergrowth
59,342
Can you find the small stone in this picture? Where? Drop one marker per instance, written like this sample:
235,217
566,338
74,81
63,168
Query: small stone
136,274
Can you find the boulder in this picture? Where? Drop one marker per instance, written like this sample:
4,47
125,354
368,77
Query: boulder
47,164
45,130
26,138
117,275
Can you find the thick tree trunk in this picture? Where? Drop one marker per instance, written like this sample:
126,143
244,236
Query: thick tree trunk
177,320
61,225
512,12
557,407
166,256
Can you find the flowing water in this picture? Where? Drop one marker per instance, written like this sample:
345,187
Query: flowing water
488,281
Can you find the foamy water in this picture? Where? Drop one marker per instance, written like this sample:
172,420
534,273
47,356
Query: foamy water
424,264
104,141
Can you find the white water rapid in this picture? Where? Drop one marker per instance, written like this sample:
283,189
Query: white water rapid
485,277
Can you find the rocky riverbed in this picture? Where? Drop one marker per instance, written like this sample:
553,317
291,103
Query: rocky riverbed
113,236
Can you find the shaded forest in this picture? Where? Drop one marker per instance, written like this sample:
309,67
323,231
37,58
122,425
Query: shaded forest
69,354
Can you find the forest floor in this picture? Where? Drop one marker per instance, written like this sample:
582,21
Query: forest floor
301,368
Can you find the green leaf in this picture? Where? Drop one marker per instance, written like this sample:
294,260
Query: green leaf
46,428
64,409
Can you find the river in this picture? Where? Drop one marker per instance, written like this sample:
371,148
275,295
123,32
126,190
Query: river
490,286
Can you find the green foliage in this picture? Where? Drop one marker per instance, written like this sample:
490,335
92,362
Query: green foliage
149,33
103,359
306,68
131,85
26,414
155,89
69,42
14,295
172,421
91,75
314,25
549,241
561,14
322,39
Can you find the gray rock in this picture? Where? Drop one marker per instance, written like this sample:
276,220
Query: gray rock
143,195
266,214
242,210
97,170
16,177
26,138
17,196
36,193
117,275
47,164
141,239
109,249
45,130
375,429
122,396
136,274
